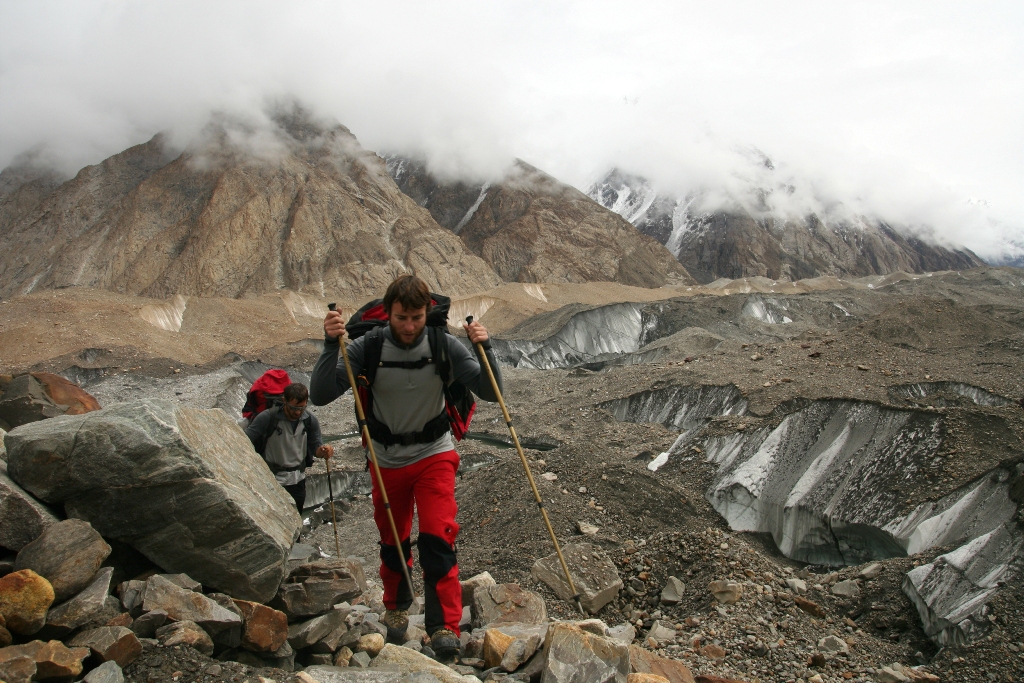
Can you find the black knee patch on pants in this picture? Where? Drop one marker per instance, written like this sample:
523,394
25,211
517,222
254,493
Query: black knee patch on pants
436,557
389,556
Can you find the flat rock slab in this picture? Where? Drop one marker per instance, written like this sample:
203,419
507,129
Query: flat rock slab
53,659
68,554
181,485
307,633
507,602
575,656
79,610
22,517
337,674
24,599
18,670
593,573
316,587
406,660
185,605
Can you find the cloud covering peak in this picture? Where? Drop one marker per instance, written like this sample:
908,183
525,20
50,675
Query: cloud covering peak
910,112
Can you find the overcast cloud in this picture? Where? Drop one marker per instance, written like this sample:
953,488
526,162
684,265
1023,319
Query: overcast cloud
909,111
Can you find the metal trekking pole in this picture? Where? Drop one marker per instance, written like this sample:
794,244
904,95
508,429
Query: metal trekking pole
365,429
529,474
334,519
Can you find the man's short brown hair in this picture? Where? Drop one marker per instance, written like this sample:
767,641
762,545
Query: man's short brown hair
297,392
408,290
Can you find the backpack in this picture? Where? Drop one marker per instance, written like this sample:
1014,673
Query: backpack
370,321
266,392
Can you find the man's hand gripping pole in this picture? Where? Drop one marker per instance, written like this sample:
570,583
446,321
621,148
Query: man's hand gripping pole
361,418
526,466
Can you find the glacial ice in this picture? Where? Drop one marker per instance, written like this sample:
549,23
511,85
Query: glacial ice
167,315
928,390
588,336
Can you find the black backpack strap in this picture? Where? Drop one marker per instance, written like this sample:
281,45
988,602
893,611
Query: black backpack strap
372,349
436,336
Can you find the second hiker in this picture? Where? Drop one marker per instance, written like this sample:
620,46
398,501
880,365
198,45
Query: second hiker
409,424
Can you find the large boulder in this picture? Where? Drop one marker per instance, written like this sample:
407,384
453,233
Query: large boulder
22,517
182,485
41,395
407,660
68,554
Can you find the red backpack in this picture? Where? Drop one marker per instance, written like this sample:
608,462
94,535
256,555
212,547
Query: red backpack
266,392
370,320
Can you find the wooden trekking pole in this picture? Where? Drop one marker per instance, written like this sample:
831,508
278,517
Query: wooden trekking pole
529,474
334,519
365,429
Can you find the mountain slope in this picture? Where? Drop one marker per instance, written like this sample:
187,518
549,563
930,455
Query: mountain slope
532,228
245,212
735,244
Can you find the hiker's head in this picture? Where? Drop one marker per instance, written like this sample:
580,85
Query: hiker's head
296,395
407,302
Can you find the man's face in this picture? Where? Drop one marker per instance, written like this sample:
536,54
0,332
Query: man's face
407,323
293,409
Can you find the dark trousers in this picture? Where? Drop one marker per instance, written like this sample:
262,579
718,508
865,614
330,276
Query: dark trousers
298,493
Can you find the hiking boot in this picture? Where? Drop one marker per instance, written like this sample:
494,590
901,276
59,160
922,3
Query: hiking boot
445,644
397,623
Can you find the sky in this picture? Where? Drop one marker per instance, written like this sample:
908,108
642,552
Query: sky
910,112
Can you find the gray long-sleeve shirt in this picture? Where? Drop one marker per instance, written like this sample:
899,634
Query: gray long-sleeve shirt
403,399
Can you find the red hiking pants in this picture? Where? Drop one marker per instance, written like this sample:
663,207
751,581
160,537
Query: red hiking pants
429,484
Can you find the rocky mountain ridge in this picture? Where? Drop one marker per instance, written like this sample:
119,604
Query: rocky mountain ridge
532,228
233,215
739,243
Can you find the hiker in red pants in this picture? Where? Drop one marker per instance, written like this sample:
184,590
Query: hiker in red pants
410,373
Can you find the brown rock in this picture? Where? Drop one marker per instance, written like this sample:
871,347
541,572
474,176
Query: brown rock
575,655
18,670
185,633
507,602
5,637
371,644
646,678
53,659
342,656
265,629
726,592
708,678
68,554
314,588
495,645
24,599
123,619
111,644
64,392
812,608
646,662
145,625
713,651
593,575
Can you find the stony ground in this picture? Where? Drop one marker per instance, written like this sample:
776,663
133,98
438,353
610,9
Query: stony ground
854,343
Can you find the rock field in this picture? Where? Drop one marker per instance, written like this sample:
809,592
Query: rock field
779,482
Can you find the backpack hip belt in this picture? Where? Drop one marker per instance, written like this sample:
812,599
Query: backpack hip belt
276,468
432,431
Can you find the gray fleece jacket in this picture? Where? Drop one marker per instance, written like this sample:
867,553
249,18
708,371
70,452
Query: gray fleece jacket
403,399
